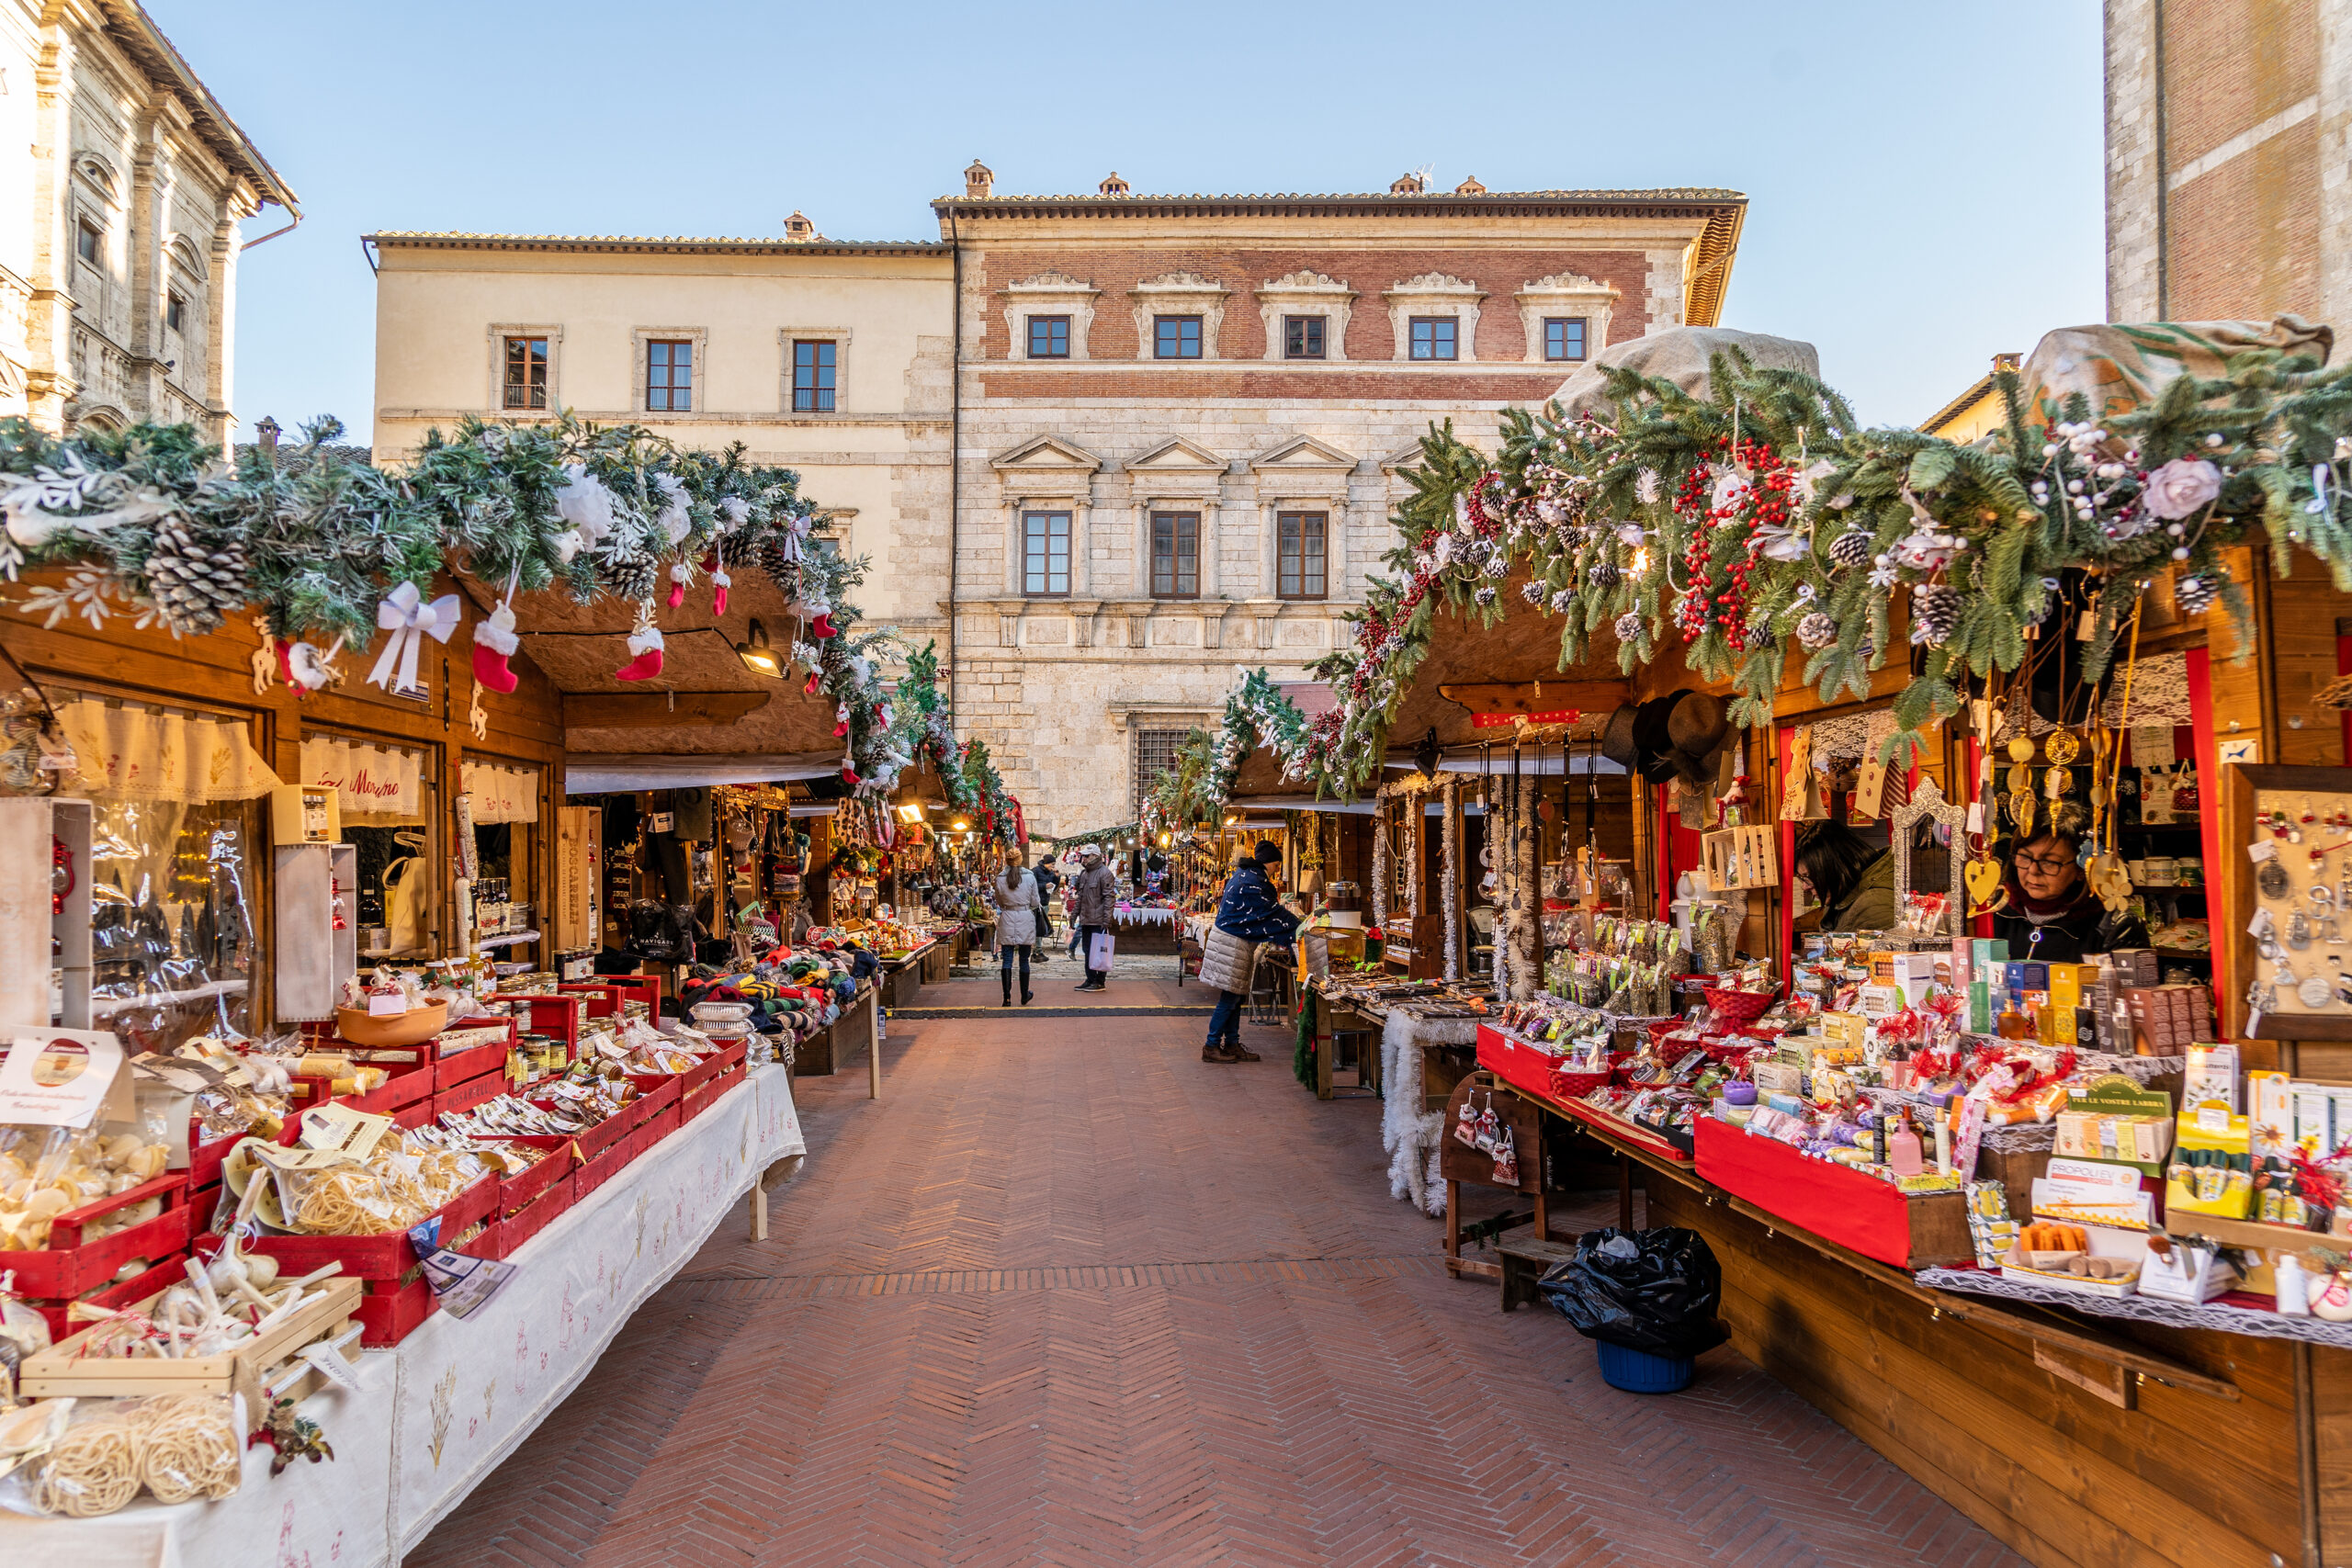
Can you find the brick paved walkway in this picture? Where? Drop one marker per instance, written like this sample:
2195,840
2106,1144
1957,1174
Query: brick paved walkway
1068,1295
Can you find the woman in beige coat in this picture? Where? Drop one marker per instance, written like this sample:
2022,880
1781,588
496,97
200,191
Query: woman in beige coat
1019,910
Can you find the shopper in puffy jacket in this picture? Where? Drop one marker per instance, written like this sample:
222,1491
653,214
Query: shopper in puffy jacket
1019,912
1097,893
1250,912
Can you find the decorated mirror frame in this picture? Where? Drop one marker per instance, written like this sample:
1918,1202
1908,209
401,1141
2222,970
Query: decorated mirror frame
1928,805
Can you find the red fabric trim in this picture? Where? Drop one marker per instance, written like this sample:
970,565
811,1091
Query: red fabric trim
1786,739
1859,1212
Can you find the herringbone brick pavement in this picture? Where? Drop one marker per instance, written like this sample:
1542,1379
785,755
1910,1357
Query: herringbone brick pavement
1068,1295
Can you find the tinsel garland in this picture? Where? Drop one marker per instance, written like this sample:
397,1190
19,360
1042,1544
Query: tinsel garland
1733,519
1380,868
1450,851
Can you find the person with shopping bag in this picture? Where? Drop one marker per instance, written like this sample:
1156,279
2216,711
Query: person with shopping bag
1098,892
1250,912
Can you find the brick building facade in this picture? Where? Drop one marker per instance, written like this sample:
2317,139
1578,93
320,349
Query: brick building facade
2229,158
1180,421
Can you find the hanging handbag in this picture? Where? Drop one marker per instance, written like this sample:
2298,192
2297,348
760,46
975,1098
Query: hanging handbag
404,905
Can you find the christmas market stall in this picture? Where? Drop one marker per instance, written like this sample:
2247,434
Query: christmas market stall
1964,972
406,946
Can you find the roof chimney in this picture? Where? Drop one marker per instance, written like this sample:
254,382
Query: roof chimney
798,228
1411,183
979,181
1470,187
1115,185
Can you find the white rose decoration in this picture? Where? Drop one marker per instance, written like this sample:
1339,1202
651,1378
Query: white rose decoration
2181,487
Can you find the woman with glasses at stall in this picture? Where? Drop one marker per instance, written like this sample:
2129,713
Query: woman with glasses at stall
2052,917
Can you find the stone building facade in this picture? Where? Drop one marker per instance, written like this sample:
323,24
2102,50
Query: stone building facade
2229,160
118,237
831,359
1181,421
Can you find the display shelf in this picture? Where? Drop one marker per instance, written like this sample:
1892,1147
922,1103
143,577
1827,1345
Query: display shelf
511,939
2231,1314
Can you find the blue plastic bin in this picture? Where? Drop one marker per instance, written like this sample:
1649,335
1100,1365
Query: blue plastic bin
1638,1372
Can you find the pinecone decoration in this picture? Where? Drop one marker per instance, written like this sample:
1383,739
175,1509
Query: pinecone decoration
1485,594
1604,576
194,583
773,560
1629,627
1817,630
628,575
1935,611
1531,591
738,546
2194,592
1851,547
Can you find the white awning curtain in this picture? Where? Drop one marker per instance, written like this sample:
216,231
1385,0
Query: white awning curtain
502,794
381,787
133,751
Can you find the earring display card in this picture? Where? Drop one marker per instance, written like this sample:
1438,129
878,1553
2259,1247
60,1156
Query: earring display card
2287,831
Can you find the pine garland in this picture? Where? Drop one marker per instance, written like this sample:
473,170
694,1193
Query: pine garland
152,523
1733,519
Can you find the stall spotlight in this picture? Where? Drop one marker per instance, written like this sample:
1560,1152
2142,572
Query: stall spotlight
961,826
755,653
909,812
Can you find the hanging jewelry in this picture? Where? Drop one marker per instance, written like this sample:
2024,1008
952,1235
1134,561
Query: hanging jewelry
2271,879
2316,992
2062,748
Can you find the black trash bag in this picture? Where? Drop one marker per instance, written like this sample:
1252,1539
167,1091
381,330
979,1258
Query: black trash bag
1654,1291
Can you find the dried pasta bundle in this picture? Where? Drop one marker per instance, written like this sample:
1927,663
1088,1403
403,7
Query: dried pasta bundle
93,1469
187,1447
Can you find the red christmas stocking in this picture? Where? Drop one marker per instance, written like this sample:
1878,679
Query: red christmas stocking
646,644
822,627
719,582
679,574
495,643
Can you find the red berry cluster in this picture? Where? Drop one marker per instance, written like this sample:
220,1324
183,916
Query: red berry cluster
1720,596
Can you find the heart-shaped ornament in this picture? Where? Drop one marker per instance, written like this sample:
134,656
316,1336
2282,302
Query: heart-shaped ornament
1987,891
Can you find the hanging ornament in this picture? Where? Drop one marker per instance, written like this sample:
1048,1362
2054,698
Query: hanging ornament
675,520
645,648
2194,592
306,668
584,504
1629,627
841,719
1852,549
411,619
495,642
680,575
1532,592
1935,613
719,583
1604,576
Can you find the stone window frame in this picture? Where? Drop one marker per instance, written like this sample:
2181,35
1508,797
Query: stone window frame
1048,294
839,338
1435,294
640,340
1024,486
1178,294
499,332
1196,486
1325,485
1306,293
1564,294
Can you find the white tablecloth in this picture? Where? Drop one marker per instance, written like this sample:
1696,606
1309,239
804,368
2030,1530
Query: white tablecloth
435,1416
1143,915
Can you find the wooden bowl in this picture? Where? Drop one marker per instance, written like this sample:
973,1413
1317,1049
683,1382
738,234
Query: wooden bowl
414,1027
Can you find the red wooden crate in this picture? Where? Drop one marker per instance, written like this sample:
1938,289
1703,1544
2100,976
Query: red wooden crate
467,1095
717,1062
665,1121
168,1270
448,1072
646,988
502,1238
558,1018
69,1266
204,1159
384,1258
408,1085
390,1314
701,1100
603,1167
655,1097
600,1138
603,998
514,1191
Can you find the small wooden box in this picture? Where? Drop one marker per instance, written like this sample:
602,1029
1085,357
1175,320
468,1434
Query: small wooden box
61,1371
1742,857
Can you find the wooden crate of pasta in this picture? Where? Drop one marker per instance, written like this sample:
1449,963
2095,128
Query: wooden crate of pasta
65,1370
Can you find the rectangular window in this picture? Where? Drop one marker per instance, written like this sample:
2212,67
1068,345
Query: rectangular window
1045,552
1156,753
812,378
1049,337
1433,337
1176,555
670,376
174,312
1299,572
86,242
1176,337
1563,338
526,372
1302,337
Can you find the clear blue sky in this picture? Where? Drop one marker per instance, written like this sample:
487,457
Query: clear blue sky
1924,181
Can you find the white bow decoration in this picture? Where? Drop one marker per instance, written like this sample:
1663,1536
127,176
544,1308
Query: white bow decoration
411,619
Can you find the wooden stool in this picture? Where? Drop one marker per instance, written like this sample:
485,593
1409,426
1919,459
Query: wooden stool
1527,1260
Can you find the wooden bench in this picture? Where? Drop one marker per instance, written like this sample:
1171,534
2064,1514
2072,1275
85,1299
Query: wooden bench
1526,1260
